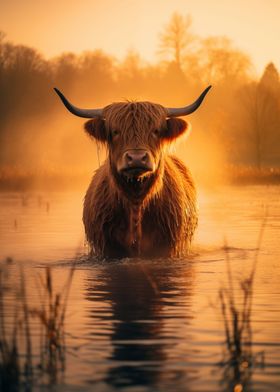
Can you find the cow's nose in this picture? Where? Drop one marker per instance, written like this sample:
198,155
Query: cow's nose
136,158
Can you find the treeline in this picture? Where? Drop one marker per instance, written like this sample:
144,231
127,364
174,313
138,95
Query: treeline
241,120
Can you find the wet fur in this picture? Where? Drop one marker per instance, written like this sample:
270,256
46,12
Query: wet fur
168,221
161,221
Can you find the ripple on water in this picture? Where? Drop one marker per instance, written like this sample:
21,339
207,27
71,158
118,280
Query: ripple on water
153,325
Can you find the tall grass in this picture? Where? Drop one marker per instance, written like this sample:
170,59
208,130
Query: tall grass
21,364
51,315
9,352
239,358
56,178
252,175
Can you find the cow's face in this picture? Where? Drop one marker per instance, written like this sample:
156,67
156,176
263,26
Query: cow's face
136,135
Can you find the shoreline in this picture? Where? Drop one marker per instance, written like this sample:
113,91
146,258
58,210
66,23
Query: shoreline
75,182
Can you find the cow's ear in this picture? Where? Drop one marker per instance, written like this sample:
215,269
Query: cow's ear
96,128
174,128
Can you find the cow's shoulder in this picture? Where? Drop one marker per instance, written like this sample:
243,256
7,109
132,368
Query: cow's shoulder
177,177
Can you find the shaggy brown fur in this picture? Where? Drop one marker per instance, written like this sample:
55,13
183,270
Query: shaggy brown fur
156,217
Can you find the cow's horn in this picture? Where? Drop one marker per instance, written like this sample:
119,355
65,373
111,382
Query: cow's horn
177,112
86,113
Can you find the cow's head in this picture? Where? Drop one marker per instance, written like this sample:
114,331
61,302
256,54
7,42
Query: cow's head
136,134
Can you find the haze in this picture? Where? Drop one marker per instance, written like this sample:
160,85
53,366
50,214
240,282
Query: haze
116,27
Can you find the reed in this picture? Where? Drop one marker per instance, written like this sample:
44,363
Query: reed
16,178
239,358
18,366
247,174
9,353
51,315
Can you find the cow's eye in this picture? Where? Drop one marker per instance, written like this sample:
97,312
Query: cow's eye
115,133
156,132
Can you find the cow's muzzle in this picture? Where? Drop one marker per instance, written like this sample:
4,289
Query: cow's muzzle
136,163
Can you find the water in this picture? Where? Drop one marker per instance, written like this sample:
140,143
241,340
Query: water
141,325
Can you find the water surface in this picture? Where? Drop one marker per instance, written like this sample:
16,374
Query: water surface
142,325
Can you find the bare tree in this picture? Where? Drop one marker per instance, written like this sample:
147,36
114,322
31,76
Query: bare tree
221,62
177,38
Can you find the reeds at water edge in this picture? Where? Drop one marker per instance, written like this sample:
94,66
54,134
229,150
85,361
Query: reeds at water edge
239,359
9,352
22,365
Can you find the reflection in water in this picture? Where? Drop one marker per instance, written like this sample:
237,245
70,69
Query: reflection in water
138,293
146,324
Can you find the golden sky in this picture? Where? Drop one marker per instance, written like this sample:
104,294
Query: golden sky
56,26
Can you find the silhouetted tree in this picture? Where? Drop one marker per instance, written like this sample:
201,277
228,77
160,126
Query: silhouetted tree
65,70
244,115
257,118
96,74
270,79
177,38
221,62
268,114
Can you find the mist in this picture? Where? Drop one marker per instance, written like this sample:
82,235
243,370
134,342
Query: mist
234,134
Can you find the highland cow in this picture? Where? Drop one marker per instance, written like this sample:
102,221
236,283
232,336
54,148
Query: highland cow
142,200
